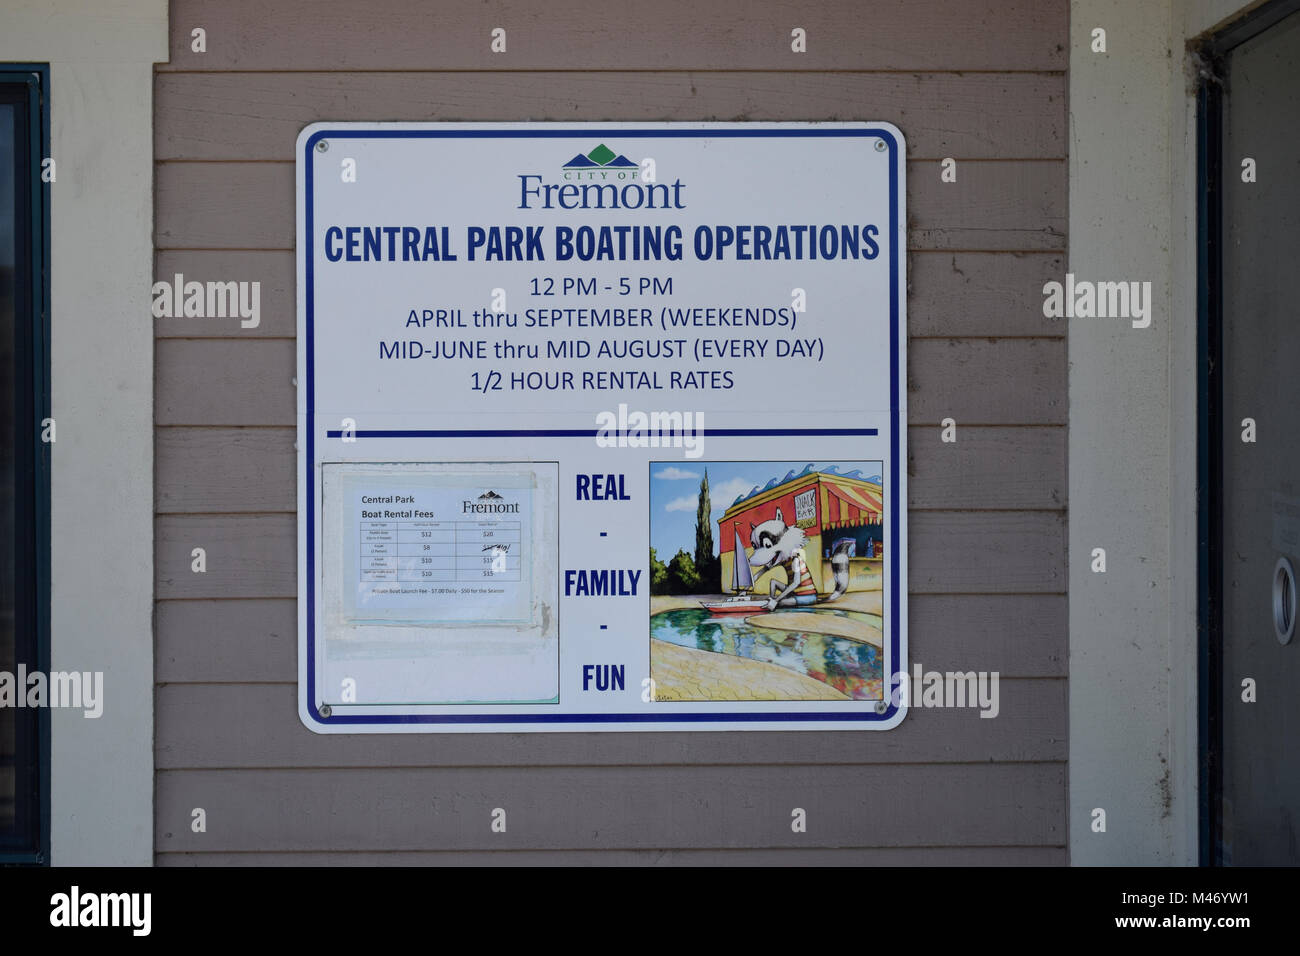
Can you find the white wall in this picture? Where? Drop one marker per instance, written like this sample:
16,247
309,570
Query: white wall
1132,447
101,85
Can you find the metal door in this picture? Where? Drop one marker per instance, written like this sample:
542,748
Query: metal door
1255,401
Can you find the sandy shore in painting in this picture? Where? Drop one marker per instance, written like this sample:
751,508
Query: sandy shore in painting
681,673
820,624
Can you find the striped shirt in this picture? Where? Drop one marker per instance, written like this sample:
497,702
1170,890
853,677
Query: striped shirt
799,569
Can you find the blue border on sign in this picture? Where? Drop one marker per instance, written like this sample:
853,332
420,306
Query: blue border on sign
665,718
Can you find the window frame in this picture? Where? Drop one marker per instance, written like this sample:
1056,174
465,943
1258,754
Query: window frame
31,82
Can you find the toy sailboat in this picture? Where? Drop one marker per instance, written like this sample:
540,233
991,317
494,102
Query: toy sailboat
742,581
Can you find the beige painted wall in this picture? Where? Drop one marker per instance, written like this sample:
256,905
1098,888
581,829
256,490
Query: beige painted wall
987,566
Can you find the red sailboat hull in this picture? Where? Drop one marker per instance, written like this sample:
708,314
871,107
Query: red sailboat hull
735,607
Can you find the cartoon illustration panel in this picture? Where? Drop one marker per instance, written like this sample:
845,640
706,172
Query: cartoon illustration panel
766,580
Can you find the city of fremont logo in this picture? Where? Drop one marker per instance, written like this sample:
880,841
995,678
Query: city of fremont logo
600,179
602,163
490,503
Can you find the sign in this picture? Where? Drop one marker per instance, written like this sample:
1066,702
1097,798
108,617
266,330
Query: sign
805,508
601,427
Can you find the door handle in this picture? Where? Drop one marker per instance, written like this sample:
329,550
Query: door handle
1284,599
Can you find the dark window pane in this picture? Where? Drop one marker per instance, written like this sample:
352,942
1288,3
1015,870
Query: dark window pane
20,778
8,270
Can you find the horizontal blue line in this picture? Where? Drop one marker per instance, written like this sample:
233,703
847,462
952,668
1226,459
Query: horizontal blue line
586,432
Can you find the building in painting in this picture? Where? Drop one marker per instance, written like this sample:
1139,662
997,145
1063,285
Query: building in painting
828,506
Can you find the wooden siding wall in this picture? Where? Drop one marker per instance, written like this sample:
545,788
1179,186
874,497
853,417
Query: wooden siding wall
982,81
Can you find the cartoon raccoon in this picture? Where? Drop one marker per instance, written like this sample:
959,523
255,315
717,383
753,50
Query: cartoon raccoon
775,542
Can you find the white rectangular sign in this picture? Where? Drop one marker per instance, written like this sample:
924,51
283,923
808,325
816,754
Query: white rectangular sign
601,426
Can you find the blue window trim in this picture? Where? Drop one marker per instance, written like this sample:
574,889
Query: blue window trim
35,78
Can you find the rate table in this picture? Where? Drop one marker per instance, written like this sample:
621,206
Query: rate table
439,550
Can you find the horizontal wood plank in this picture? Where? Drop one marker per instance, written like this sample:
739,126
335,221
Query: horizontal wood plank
974,381
950,293
252,470
790,856
277,286
417,808
224,382
257,725
257,116
904,35
1018,635
225,470
249,556
987,382
1014,468
224,206
226,640
994,205
981,293
255,556
986,552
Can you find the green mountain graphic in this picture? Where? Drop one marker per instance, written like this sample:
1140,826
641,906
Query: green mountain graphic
601,155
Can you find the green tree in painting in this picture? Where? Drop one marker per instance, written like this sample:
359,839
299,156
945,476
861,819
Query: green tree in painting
682,576
658,574
706,563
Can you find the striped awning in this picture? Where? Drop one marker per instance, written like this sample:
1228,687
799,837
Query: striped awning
847,506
